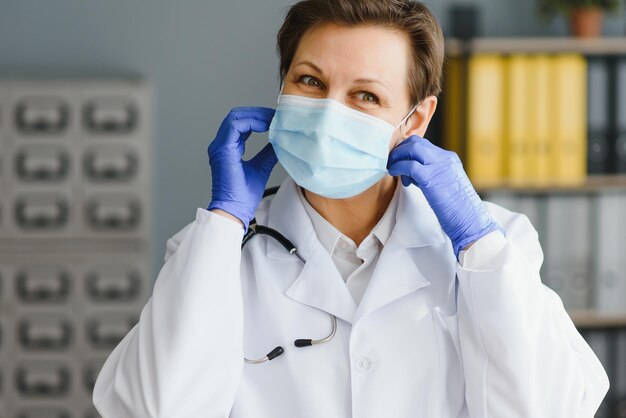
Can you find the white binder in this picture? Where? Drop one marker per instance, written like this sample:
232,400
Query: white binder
567,249
609,263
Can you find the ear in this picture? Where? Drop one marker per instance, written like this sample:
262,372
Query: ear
418,122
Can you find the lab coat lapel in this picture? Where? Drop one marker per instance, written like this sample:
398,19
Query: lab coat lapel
321,286
397,272
318,284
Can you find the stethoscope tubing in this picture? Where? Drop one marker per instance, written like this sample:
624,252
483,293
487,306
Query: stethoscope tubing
255,229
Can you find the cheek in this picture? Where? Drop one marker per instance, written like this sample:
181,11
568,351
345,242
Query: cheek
396,138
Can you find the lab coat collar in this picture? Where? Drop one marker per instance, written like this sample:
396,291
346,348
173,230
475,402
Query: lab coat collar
320,285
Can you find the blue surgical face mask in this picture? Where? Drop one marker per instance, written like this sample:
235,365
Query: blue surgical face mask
329,148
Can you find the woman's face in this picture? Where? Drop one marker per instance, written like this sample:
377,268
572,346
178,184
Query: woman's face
363,67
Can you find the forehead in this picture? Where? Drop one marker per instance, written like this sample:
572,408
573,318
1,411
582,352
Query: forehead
357,51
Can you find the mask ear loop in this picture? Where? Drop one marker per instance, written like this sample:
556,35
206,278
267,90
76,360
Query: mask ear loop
404,119
282,85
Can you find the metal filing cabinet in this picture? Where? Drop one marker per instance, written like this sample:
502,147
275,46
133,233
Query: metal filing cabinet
75,191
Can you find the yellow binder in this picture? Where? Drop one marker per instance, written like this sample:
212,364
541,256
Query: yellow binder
540,118
453,129
517,141
485,100
568,158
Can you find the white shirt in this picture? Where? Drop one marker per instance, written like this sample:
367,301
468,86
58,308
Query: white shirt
355,264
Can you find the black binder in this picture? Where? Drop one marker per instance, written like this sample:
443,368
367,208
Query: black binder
618,113
598,102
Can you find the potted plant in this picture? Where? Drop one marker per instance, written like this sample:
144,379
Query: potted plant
585,16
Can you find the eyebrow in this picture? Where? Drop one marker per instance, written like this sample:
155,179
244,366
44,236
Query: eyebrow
370,81
310,64
359,80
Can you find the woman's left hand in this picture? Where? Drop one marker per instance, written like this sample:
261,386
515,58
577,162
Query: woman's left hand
439,174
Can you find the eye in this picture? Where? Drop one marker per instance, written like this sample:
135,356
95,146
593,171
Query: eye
310,81
368,97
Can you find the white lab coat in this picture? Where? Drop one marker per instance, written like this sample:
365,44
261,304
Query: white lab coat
494,343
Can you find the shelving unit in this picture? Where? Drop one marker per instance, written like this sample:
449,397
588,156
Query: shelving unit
585,319
599,46
576,238
593,184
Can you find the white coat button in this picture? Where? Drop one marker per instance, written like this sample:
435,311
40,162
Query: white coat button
363,363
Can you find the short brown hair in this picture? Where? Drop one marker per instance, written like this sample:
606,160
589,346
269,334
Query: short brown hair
408,16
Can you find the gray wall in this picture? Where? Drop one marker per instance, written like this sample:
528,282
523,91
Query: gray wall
202,57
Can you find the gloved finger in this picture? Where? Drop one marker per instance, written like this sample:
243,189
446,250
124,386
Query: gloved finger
408,140
412,169
406,181
252,110
405,152
417,149
265,159
242,128
438,153
238,131
441,154
261,114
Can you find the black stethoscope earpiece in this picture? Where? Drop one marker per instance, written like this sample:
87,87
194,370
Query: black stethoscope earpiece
255,229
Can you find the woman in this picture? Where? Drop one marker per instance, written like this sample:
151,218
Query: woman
439,307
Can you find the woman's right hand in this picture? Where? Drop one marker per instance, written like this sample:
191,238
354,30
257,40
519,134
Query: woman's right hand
238,185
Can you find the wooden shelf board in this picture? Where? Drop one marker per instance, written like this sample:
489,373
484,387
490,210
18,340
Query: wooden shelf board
594,183
598,319
592,46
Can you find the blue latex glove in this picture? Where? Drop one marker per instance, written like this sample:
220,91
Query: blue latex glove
440,175
238,185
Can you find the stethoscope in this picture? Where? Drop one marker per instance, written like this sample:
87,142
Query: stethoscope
255,229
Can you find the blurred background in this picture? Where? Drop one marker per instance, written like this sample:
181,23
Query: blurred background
107,108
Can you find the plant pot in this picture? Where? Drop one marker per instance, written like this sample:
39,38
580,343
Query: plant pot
586,22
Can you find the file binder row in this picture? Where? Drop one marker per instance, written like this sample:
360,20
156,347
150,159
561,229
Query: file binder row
607,115
582,237
532,119
75,216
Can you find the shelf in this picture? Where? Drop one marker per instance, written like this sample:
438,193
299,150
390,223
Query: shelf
593,184
593,46
596,319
